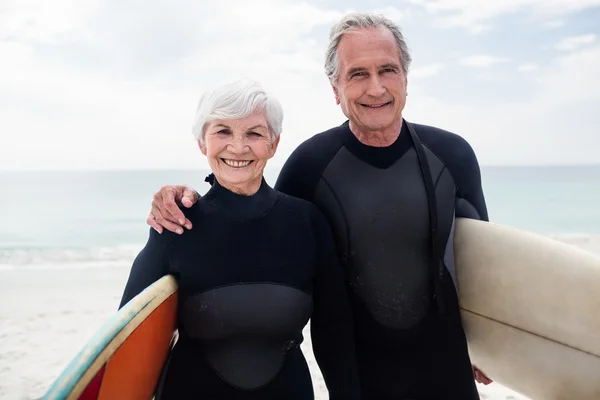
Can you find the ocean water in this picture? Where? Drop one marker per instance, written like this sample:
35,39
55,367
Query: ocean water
96,219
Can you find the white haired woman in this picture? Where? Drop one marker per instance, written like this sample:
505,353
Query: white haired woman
253,272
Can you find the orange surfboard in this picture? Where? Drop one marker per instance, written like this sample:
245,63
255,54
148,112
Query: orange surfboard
125,358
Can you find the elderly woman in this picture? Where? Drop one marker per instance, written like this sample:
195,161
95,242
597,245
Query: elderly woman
251,275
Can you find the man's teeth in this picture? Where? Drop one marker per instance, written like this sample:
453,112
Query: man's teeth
236,164
375,105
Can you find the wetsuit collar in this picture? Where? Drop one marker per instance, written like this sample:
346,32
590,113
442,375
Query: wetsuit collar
240,206
380,157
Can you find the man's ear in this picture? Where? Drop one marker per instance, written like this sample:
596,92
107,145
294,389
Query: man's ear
337,96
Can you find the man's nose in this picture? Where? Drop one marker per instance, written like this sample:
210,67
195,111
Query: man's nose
375,87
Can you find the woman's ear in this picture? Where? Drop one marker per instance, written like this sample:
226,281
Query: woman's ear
274,146
202,147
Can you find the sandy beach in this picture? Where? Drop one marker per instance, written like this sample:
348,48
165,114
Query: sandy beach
48,314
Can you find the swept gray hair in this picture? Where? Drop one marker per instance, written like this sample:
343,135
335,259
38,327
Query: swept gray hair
237,100
352,22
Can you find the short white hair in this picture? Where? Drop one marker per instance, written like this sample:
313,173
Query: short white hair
353,22
237,100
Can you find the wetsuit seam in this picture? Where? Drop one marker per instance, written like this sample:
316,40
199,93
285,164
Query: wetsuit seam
342,212
322,171
444,164
449,232
439,176
448,238
237,387
444,168
453,211
252,283
478,214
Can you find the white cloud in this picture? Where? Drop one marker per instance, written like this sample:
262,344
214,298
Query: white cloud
557,123
467,13
136,97
572,78
113,85
392,13
477,29
269,16
528,67
575,42
553,24
44,21
481,60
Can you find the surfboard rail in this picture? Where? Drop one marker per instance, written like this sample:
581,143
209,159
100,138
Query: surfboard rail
97,351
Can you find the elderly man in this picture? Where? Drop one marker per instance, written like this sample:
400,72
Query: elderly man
391,191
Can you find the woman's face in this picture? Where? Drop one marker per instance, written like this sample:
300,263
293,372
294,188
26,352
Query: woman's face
238,150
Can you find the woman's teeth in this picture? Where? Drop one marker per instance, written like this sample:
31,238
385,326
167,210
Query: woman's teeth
236,164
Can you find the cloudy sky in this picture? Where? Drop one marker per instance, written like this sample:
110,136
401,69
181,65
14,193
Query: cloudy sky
114,84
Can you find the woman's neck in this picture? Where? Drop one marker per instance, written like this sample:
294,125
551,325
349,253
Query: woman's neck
246,189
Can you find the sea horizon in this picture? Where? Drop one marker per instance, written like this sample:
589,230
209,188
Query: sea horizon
97,218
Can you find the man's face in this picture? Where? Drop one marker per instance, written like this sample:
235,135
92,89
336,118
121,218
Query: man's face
371,88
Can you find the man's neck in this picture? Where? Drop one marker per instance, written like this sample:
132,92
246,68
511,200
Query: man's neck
383,138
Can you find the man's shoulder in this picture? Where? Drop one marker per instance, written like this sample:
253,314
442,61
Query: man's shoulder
458,157
300,208
449,146
320,145
304,167
430,134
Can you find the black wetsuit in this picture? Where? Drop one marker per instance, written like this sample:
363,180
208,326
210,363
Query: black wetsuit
410,340
251,274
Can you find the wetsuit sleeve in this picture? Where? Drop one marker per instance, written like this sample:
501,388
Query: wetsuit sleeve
296,177
302,171
470,198
332,325
150,265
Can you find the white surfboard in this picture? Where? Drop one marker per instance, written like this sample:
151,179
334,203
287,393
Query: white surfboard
531,309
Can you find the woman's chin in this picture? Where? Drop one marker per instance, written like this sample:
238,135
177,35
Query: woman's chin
241,180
